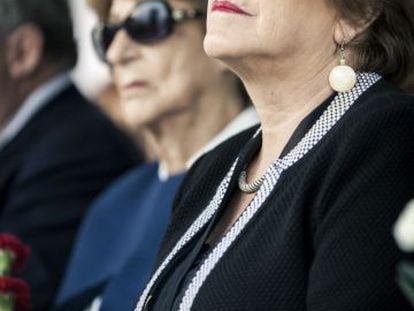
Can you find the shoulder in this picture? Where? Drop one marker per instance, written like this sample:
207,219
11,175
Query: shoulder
139,187
132,184
380,120
123,200
368,152
70,129
376,132
383,104
70,114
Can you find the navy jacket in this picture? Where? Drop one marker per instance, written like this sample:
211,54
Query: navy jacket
49,173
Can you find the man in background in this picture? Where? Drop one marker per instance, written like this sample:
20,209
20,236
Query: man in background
57,152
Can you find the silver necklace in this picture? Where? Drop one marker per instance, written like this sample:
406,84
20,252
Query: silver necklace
252,187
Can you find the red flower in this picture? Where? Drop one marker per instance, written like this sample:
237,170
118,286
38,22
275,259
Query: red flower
20,291
17,248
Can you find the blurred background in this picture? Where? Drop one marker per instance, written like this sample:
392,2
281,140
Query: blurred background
91,75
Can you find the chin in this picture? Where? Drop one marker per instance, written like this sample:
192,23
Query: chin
235,57
220,48
213,48
135,120
135,113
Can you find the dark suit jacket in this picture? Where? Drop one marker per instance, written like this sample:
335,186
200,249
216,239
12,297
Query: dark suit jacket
49,173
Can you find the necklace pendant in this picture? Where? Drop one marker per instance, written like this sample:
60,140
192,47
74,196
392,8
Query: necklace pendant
249,187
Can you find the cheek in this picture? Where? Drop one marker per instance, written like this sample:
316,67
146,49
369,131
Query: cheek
176,82
284,29
115,73
177,70
164,75
185,62
275,23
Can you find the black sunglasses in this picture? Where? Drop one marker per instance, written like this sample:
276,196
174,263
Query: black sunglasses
149,21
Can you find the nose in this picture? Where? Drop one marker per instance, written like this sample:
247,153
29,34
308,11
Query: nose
122,49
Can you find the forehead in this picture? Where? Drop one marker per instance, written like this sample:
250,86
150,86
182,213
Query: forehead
120,9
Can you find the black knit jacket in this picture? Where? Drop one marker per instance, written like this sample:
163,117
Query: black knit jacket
323,239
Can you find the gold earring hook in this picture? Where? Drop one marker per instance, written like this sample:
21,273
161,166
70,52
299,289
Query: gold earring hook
342,52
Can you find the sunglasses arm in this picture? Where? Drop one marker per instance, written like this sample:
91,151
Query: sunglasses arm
181,15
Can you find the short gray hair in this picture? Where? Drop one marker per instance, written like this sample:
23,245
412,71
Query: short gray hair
53,19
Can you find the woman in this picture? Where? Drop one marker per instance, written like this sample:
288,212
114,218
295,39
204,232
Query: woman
186,103
300,218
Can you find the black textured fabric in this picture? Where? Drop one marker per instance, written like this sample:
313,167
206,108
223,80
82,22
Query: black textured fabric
49,173
322,241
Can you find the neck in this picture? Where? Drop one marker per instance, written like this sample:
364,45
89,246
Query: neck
283,96
175,138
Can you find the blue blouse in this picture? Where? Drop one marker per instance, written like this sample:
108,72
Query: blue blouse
120,236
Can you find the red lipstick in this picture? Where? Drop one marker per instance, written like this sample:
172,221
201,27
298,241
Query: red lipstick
227,7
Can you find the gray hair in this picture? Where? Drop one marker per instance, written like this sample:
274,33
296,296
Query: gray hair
53,19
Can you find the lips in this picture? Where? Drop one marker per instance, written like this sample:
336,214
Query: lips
136,84
227,7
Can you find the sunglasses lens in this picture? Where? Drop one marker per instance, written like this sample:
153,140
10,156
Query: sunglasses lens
150,21
102,36
97,42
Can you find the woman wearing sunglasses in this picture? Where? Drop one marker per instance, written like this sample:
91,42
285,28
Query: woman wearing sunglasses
185,103
297,214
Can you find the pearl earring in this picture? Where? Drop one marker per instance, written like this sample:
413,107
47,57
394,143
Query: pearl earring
342,78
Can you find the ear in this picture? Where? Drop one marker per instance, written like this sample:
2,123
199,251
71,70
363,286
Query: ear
347,31
24,50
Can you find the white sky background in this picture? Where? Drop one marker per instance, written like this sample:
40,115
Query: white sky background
90,74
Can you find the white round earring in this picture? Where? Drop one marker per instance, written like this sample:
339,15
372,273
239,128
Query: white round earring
342,78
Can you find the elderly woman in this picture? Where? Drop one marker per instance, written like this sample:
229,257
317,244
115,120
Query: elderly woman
297,214
186,103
